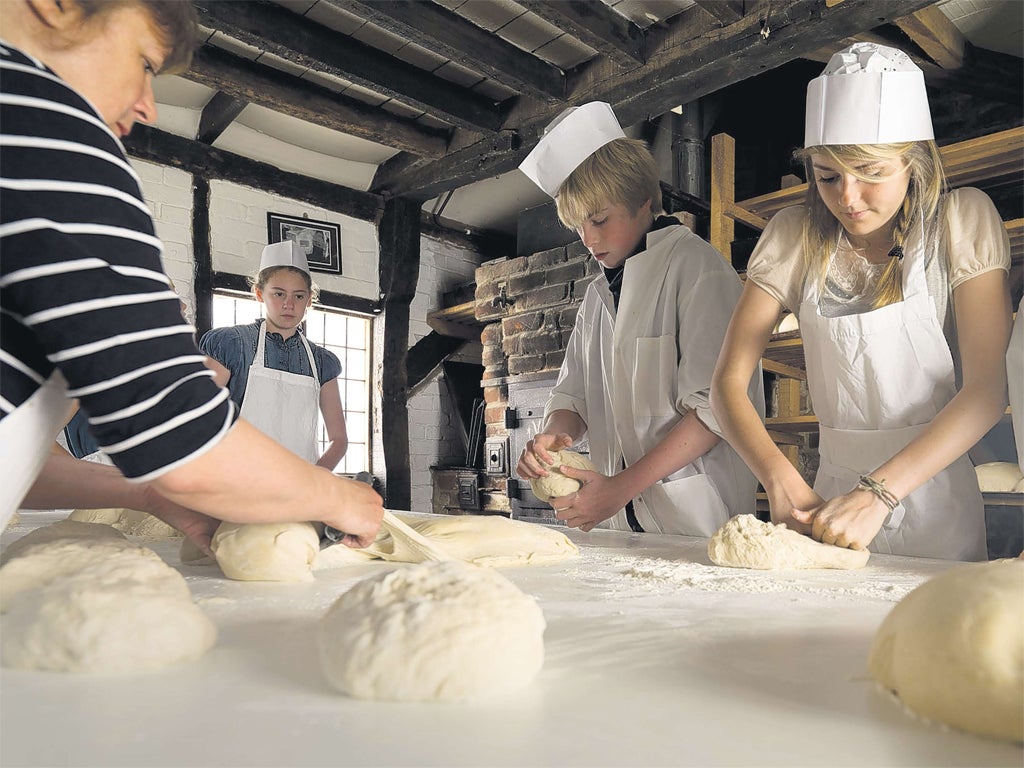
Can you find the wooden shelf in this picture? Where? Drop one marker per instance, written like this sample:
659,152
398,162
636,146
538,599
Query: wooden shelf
458,321
792,424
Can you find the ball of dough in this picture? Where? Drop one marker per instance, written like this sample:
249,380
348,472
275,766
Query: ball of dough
432,632
98,605
953,649
1000,477
266,551
556,484
38,565
65,529
746,542
128,521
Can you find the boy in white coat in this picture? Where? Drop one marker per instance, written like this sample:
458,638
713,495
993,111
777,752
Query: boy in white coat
638,367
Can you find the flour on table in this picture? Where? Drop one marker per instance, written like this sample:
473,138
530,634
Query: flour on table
129,521
746,542
490,540
953,649
556,484
436,631
95,603
266,551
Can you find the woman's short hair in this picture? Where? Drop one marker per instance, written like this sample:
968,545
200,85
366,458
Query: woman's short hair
176,21
623,172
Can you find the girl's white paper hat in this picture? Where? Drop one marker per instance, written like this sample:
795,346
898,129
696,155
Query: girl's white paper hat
286,253
868,94
567,141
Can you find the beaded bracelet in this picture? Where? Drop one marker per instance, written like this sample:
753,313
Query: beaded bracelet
878,488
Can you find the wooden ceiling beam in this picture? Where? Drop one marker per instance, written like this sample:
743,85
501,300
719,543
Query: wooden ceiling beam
684,69
220,111
596,25
690,61
449,35
156,146
277,30
936,35
290,95
726,12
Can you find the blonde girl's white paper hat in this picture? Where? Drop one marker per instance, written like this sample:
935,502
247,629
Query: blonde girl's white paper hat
868,94
567,141
286,253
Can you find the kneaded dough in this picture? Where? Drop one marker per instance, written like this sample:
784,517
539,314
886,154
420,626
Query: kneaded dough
266,551
953,649
1000,477
490,540
96,603
556,484
436,631
128,521
65,529
746,542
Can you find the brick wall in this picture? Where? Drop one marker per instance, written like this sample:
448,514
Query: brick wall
529,305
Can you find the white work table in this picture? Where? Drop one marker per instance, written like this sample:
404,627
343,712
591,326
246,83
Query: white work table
654,658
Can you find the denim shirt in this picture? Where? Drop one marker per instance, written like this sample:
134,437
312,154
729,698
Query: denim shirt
235,348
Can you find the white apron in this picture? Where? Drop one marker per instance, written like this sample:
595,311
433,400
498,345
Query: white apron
283,405
876,381
26,437
1015,381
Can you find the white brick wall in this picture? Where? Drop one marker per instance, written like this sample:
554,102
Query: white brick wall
433,422
168,192
238,222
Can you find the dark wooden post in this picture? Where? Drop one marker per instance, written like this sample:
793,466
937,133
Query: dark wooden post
202,255
399,235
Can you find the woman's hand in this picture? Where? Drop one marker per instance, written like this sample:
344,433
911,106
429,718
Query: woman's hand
598,498
851,520
359,515
536,455
787,499
196,526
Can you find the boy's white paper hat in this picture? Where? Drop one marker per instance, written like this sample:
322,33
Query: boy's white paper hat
567,141
286,253
868,94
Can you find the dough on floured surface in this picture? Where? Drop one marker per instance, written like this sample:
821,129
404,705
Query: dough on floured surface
96,603
65,529
436,631
266,551
746,542
953,649
556,484
128,521
490,540
1000,477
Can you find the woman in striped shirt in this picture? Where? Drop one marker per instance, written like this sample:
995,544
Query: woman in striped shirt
86,310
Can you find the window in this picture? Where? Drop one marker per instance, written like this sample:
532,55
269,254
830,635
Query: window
348,337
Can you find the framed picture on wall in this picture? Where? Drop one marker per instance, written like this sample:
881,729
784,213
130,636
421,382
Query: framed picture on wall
319,240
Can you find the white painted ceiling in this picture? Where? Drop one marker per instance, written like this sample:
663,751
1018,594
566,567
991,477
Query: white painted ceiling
493,204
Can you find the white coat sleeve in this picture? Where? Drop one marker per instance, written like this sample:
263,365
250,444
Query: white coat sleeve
569,392
704,315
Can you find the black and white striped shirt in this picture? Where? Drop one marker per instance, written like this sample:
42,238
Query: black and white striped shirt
82,287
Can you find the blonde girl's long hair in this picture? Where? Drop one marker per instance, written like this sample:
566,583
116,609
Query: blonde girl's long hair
822,230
